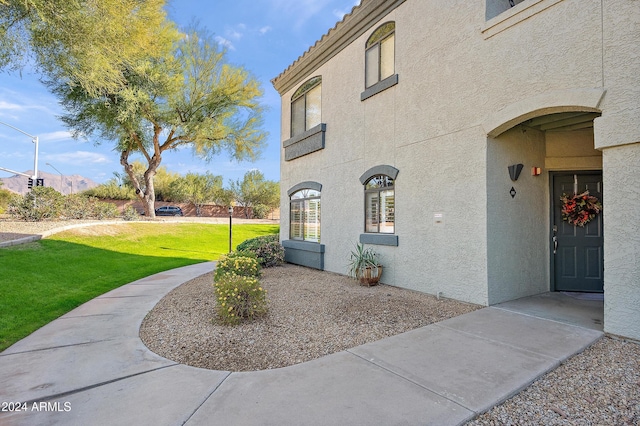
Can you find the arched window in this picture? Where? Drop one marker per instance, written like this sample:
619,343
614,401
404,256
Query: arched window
380,54
306,106
379,199
380,212
304,215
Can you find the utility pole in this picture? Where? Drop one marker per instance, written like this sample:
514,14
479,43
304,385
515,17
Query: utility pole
34,139
61,184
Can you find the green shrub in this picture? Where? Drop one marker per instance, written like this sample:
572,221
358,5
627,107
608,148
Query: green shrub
130,214
5,198
112,191
252,243
77,206
102,210
260,211
237,263
239,297
41,203
266,248
81,206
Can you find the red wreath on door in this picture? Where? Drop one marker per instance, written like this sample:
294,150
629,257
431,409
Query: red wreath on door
580,209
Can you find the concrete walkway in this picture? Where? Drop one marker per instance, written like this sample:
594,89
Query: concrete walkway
89,367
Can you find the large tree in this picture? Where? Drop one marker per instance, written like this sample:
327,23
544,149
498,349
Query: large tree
254,190
189,98
199,190
91,43
161,181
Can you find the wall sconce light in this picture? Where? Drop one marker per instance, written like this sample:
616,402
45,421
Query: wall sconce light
514,171
535,171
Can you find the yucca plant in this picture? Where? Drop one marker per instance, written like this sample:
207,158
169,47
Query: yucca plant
364,265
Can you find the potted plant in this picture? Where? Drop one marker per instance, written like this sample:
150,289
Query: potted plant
364,265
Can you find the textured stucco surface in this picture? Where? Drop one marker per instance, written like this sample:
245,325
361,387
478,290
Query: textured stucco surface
453,124
619,123
571,151
517,227
622,241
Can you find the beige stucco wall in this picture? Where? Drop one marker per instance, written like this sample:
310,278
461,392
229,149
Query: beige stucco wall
517,227
622,240
461,79
617,133
621,74
572,151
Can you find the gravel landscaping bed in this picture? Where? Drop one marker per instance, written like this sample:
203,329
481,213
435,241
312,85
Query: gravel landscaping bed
314,313
311,314
600,386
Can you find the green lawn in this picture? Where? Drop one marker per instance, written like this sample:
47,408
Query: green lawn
41,281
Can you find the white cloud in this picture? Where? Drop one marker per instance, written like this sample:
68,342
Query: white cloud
21,102
55,136
225,43
12,111
231,33
79,158
265,29
11,106
15,155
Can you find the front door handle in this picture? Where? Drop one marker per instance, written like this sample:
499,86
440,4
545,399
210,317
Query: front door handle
555,244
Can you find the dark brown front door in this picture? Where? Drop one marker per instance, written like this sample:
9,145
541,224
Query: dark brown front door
578,261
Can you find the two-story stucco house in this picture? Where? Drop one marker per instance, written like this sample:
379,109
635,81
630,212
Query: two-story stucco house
444,134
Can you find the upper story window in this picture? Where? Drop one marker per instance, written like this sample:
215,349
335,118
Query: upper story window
304,217
379,195
306,106
496,7
380,54
504,14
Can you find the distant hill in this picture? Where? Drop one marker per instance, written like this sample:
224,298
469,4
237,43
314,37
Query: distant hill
65,185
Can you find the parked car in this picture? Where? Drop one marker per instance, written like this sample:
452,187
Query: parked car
169,211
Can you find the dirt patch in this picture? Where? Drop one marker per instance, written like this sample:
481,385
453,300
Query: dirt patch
97,230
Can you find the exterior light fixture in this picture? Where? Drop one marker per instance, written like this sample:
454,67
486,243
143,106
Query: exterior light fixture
514,171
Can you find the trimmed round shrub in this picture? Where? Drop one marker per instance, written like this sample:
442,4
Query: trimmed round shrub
239,298
266,248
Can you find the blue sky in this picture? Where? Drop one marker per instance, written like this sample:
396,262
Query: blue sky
264,36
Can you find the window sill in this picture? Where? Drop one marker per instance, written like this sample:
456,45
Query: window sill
379,239
305,143
379,87
515,15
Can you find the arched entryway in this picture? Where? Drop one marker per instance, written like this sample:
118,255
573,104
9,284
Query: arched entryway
531,249
575,168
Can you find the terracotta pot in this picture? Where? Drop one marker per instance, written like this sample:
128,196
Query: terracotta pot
371,275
